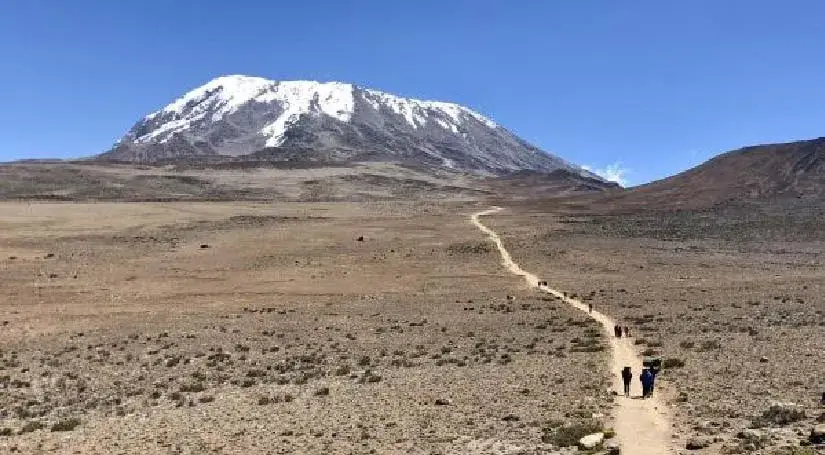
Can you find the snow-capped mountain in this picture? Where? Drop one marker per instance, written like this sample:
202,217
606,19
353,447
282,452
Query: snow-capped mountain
242,116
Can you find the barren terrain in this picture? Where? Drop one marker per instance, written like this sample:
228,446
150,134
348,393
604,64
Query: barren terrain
257,328
732,299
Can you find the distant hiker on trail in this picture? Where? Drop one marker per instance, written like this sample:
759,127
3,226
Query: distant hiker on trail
647,383
590,308
627,376
618,331
626,332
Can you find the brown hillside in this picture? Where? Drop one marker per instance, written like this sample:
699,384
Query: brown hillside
774,172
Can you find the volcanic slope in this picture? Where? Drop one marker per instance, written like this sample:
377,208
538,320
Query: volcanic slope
242,116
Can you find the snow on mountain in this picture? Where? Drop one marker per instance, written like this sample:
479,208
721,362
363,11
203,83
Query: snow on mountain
236,116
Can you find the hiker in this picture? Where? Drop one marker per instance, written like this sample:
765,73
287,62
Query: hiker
618,331
627,376
590,308
647,383
654,370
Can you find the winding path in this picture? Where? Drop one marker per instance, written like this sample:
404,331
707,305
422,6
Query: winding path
642,426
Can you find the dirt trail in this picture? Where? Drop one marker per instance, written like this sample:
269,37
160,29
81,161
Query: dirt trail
642,426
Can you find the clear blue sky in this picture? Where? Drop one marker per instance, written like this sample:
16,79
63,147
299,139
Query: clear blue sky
657,86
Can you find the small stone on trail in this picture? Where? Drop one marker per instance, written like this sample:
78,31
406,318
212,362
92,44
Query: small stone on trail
204,246
360,239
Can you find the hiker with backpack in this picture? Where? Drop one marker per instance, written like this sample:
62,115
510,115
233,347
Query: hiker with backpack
647,383
627,376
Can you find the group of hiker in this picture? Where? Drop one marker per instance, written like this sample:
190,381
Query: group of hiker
649,369
647,378
619,330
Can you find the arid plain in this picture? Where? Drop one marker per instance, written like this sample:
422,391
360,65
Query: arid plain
246,315
385,327
730,297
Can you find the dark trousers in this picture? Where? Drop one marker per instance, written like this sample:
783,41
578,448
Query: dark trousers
627,388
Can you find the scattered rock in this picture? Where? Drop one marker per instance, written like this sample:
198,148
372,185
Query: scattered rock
591,441
751,435
360,238
697,443
442,402
204,246
763,359
752,439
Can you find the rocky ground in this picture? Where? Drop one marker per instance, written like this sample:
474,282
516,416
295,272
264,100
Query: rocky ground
732,300
298,328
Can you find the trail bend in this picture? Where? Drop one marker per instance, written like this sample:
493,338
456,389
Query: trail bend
642,425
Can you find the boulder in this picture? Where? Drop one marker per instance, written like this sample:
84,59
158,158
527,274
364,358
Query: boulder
591,441
697,443
817,434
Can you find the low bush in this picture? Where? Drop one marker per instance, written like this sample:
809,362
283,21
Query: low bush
569,435
673,363
66,424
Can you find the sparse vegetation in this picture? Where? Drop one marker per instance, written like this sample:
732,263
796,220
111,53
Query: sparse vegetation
670,363
569,435
66,424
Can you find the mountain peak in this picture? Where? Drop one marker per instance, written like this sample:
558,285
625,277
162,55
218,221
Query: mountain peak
238,115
